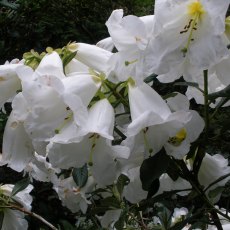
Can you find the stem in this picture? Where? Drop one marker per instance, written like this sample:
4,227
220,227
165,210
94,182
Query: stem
117,95
206,107
34,215
195,184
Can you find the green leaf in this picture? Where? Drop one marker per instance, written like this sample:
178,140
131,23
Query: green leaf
192,84
121,182
150,78
67,59
66,225
119,225
111,202
20,185
5,3
215,192
222,93
1,218
80,176
152,168
153,188
169,95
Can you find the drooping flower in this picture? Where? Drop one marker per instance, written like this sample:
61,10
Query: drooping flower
91,146
158,126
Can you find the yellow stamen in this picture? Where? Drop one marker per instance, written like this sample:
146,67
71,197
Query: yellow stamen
195,8
178,138
130,62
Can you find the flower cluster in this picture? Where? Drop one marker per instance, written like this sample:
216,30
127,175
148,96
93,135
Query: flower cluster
87,111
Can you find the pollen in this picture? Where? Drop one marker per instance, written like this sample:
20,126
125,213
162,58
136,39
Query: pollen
195,9
178,138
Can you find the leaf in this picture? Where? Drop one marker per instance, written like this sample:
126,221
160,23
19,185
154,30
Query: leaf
1,218
66,225
191,84
152,168
153,188
110,202
67,59
121,182
150,78
119,186
222,93
11,5
20,185
119,225
215,192
80,176
169,95
99,210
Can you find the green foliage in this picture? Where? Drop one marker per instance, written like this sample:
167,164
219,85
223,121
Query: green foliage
27,24
20,185
152,168
80,176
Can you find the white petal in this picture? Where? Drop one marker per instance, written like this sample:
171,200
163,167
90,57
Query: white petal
93,56
110,217
178,102
52,65
101,119
9,82
133,192
14,220
104,166
17,146
143,98
106,44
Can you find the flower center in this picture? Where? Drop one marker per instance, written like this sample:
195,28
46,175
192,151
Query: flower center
195,10
178,138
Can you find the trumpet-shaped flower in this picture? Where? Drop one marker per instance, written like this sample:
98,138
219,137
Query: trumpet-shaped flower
92,146
212,168
190,29
17,150
130,36
158,126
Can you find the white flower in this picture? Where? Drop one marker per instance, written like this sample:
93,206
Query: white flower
190,29
106,44
214,85
93,56
167,184
14,219
9,82
133,192
17,150
93,145
158,126
130,35
109,218
71,195
212,168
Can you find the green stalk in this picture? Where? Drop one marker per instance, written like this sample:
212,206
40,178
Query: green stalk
206,107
